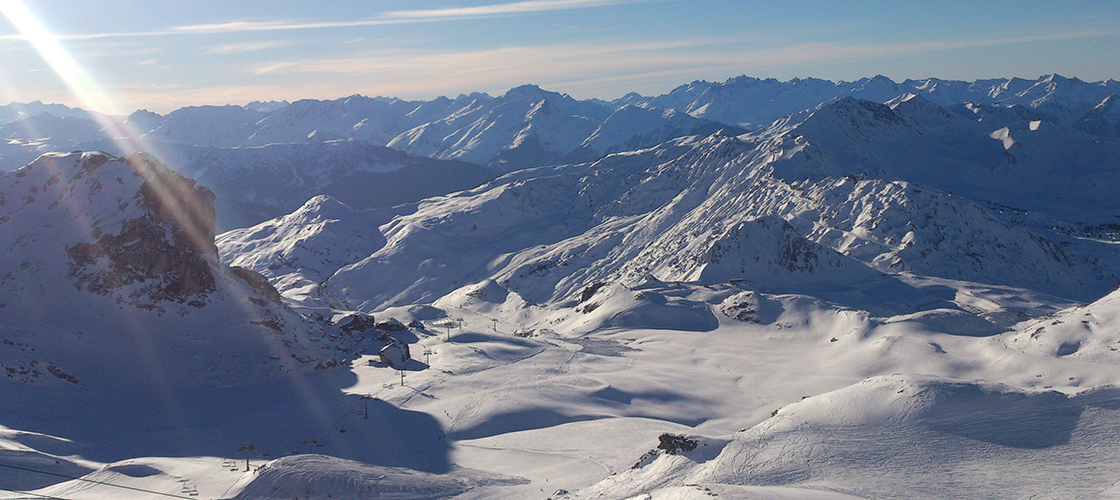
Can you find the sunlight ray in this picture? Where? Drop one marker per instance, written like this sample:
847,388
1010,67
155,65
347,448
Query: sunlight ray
173,197
104,109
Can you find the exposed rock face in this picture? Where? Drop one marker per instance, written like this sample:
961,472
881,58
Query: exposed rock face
258,282
675,443
130,228
178,201
164,250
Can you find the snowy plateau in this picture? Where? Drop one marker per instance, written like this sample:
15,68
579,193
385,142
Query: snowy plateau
751,289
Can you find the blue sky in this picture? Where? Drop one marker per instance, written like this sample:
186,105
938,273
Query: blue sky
118,56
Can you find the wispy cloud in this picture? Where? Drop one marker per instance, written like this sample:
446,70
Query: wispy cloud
414,74
240,48
402,16
596,70
585,69
528,7
653,56
250,26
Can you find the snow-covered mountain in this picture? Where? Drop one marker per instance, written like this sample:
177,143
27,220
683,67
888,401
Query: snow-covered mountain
903,297
115,308
629,128
1013,165
220,126
854,176
17,111
375,120
254,184
755,103
24,139
356,117
307,148
130,230
528,127
302,249
1103,120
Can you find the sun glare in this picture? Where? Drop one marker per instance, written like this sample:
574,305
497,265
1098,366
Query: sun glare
129,140
76,78
124,135
79,82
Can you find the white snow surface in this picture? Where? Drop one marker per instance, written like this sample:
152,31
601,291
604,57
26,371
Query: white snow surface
255,184
528,127
706,210
705,286
755,103
859,301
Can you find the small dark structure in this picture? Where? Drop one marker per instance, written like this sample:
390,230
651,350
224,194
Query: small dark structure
395,353
675,443
357,322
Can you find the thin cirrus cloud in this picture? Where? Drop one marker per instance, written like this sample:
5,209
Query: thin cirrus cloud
386,18
528,7
412,72
240,48
583,69
492,68
402,17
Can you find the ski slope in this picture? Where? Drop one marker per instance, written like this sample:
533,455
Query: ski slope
889,298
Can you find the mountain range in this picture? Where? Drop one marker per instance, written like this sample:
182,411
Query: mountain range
528,126
754,289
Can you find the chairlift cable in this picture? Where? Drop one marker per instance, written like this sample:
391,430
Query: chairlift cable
35,495
142,490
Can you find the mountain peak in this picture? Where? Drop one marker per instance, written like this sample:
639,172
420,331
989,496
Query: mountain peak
1103,120
322,207
921,110
1056,78
869,111
743,81
531,92
266,106
146,234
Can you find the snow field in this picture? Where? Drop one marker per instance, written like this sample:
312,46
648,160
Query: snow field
848,303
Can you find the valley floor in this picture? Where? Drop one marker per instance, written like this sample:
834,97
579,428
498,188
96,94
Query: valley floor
786,397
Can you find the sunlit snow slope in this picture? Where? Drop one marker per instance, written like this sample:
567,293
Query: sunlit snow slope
905,297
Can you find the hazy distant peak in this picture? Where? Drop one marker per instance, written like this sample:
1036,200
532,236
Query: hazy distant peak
532,92
266,106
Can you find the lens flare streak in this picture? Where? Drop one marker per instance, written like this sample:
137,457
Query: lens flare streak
128,142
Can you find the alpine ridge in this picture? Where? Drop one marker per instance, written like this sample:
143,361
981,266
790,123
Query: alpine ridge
747,289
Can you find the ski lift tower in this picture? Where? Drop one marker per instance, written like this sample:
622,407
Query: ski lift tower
310,442
247,447
365,399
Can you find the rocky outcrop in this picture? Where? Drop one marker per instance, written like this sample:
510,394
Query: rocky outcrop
131,229
165,253
183,204
258,282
